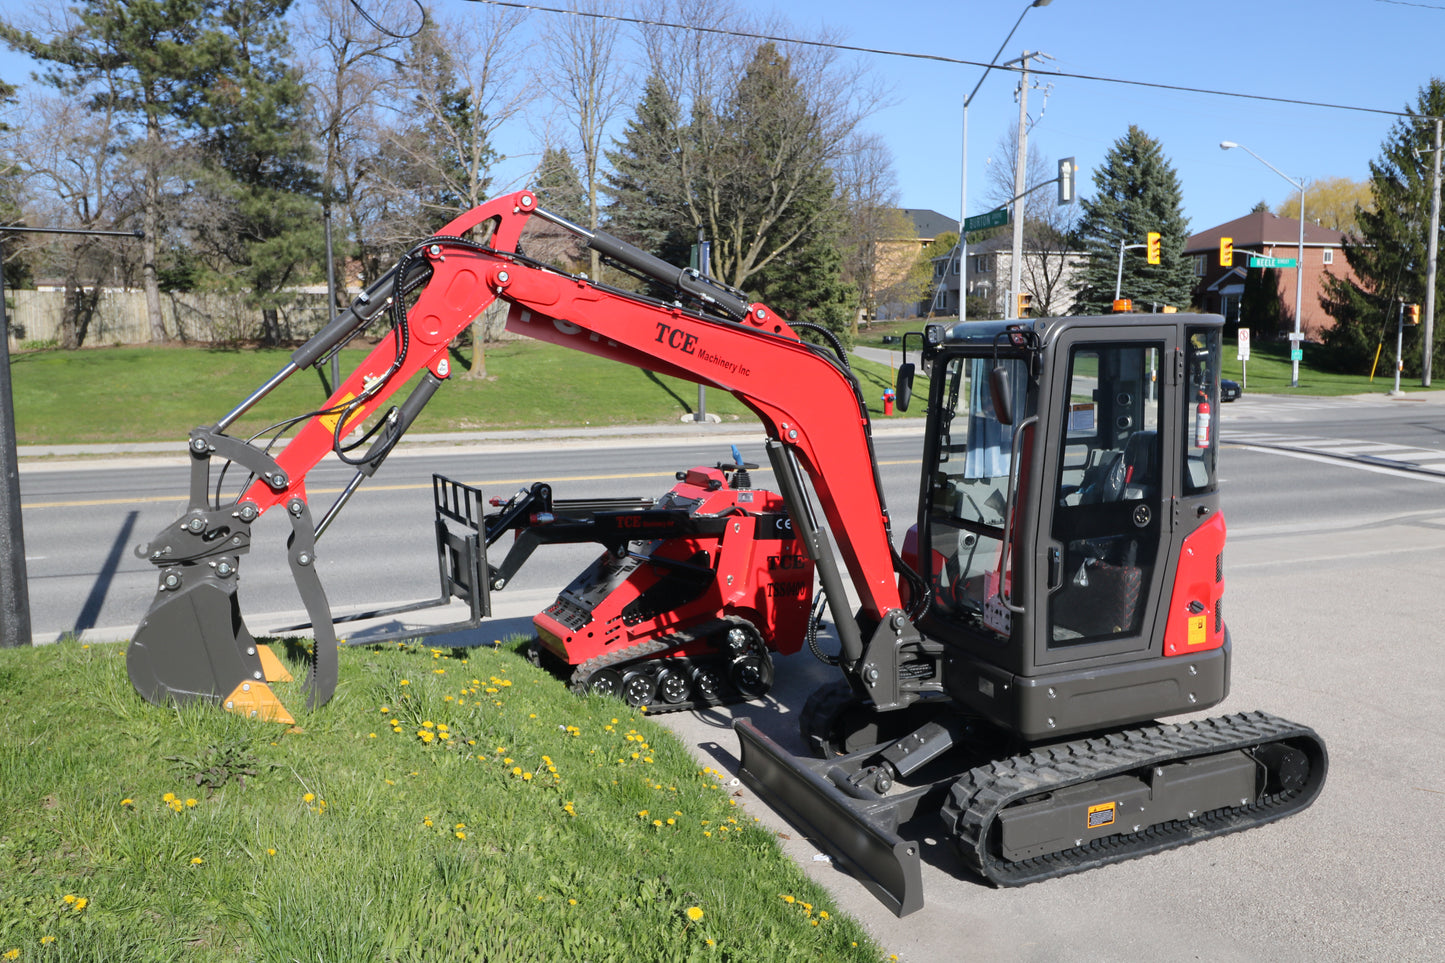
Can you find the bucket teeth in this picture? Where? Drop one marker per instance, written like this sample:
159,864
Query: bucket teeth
257,701
272,666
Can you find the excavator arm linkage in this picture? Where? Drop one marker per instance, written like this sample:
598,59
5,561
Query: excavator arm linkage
193,642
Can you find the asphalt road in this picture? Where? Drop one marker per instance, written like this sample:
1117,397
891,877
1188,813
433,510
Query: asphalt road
1332,569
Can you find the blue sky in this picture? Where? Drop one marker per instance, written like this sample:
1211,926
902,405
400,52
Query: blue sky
1365,53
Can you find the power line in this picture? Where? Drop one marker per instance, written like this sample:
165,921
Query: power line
938,58
1406,3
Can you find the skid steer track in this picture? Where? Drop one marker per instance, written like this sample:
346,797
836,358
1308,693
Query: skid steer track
978,800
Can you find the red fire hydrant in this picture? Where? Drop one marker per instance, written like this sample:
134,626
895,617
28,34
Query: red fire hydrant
888,401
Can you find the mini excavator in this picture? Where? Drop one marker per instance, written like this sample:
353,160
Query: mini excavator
1060,592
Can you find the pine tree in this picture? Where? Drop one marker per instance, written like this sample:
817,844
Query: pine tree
149,62
1137,191
1388,257
647,196
559,187
256,164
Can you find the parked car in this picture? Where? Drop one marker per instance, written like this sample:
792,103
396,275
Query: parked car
1229,390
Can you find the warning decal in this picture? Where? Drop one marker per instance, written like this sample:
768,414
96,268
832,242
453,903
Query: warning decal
1197,633
1102,815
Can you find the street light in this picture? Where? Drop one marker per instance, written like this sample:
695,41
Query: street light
1296,342
963,201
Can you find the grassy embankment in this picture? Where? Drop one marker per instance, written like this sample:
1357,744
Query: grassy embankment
446,805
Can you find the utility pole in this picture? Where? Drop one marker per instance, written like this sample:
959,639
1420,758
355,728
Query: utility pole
1432,255
1011,309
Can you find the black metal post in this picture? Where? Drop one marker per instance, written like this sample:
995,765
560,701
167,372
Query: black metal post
331,292
14,596
14,593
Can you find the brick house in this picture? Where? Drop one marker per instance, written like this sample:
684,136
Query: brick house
1218,289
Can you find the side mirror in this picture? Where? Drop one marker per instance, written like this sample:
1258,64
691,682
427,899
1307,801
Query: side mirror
905,385
998,391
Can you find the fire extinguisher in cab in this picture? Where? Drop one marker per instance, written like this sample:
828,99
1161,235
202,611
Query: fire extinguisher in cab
1201,425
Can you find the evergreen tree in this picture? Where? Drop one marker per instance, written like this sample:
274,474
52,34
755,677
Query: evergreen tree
559,187
256,165
645,187
148,62
1137,192
806,285
1388,258
17,269
1259,305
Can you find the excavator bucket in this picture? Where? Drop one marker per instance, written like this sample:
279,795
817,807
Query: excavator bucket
193,643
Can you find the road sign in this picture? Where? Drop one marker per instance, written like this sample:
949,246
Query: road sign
1272,262
1297,354
982,222
1243,344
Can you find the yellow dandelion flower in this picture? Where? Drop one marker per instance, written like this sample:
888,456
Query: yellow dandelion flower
707,833
789,899
671,821
822,914
426,822
196,860
461,835
46,940
710,942
460,826
426,736
371,735
191,803
571,902
657,823
404,682
168,797
81,904
526,777
427,724
270,852
385,709
694,913
176,805
516,770
642,813
127,802
309,797
69,898
12,954
814,922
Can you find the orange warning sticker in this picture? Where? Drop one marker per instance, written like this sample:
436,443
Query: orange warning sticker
330,420
1102,815
1197,633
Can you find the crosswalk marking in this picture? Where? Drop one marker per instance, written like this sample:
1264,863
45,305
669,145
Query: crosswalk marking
1430,460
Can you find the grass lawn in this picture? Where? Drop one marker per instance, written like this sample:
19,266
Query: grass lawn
446,805
159,394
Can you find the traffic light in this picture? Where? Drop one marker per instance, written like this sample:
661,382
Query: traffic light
1226,252
1026,301
1412,314
1153,238
1066,181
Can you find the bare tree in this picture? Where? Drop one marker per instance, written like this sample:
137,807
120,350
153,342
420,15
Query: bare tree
70,165
868,189
590,83
349,66
1049,228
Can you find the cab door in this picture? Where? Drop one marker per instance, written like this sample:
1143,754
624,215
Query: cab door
1106,480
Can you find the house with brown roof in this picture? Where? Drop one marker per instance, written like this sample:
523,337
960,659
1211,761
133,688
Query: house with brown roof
1262,235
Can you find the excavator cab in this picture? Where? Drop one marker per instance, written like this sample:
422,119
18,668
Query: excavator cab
1054,533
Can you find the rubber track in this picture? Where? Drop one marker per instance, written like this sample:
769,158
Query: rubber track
976,800
649,647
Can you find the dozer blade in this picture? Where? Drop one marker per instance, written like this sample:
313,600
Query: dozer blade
860,833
